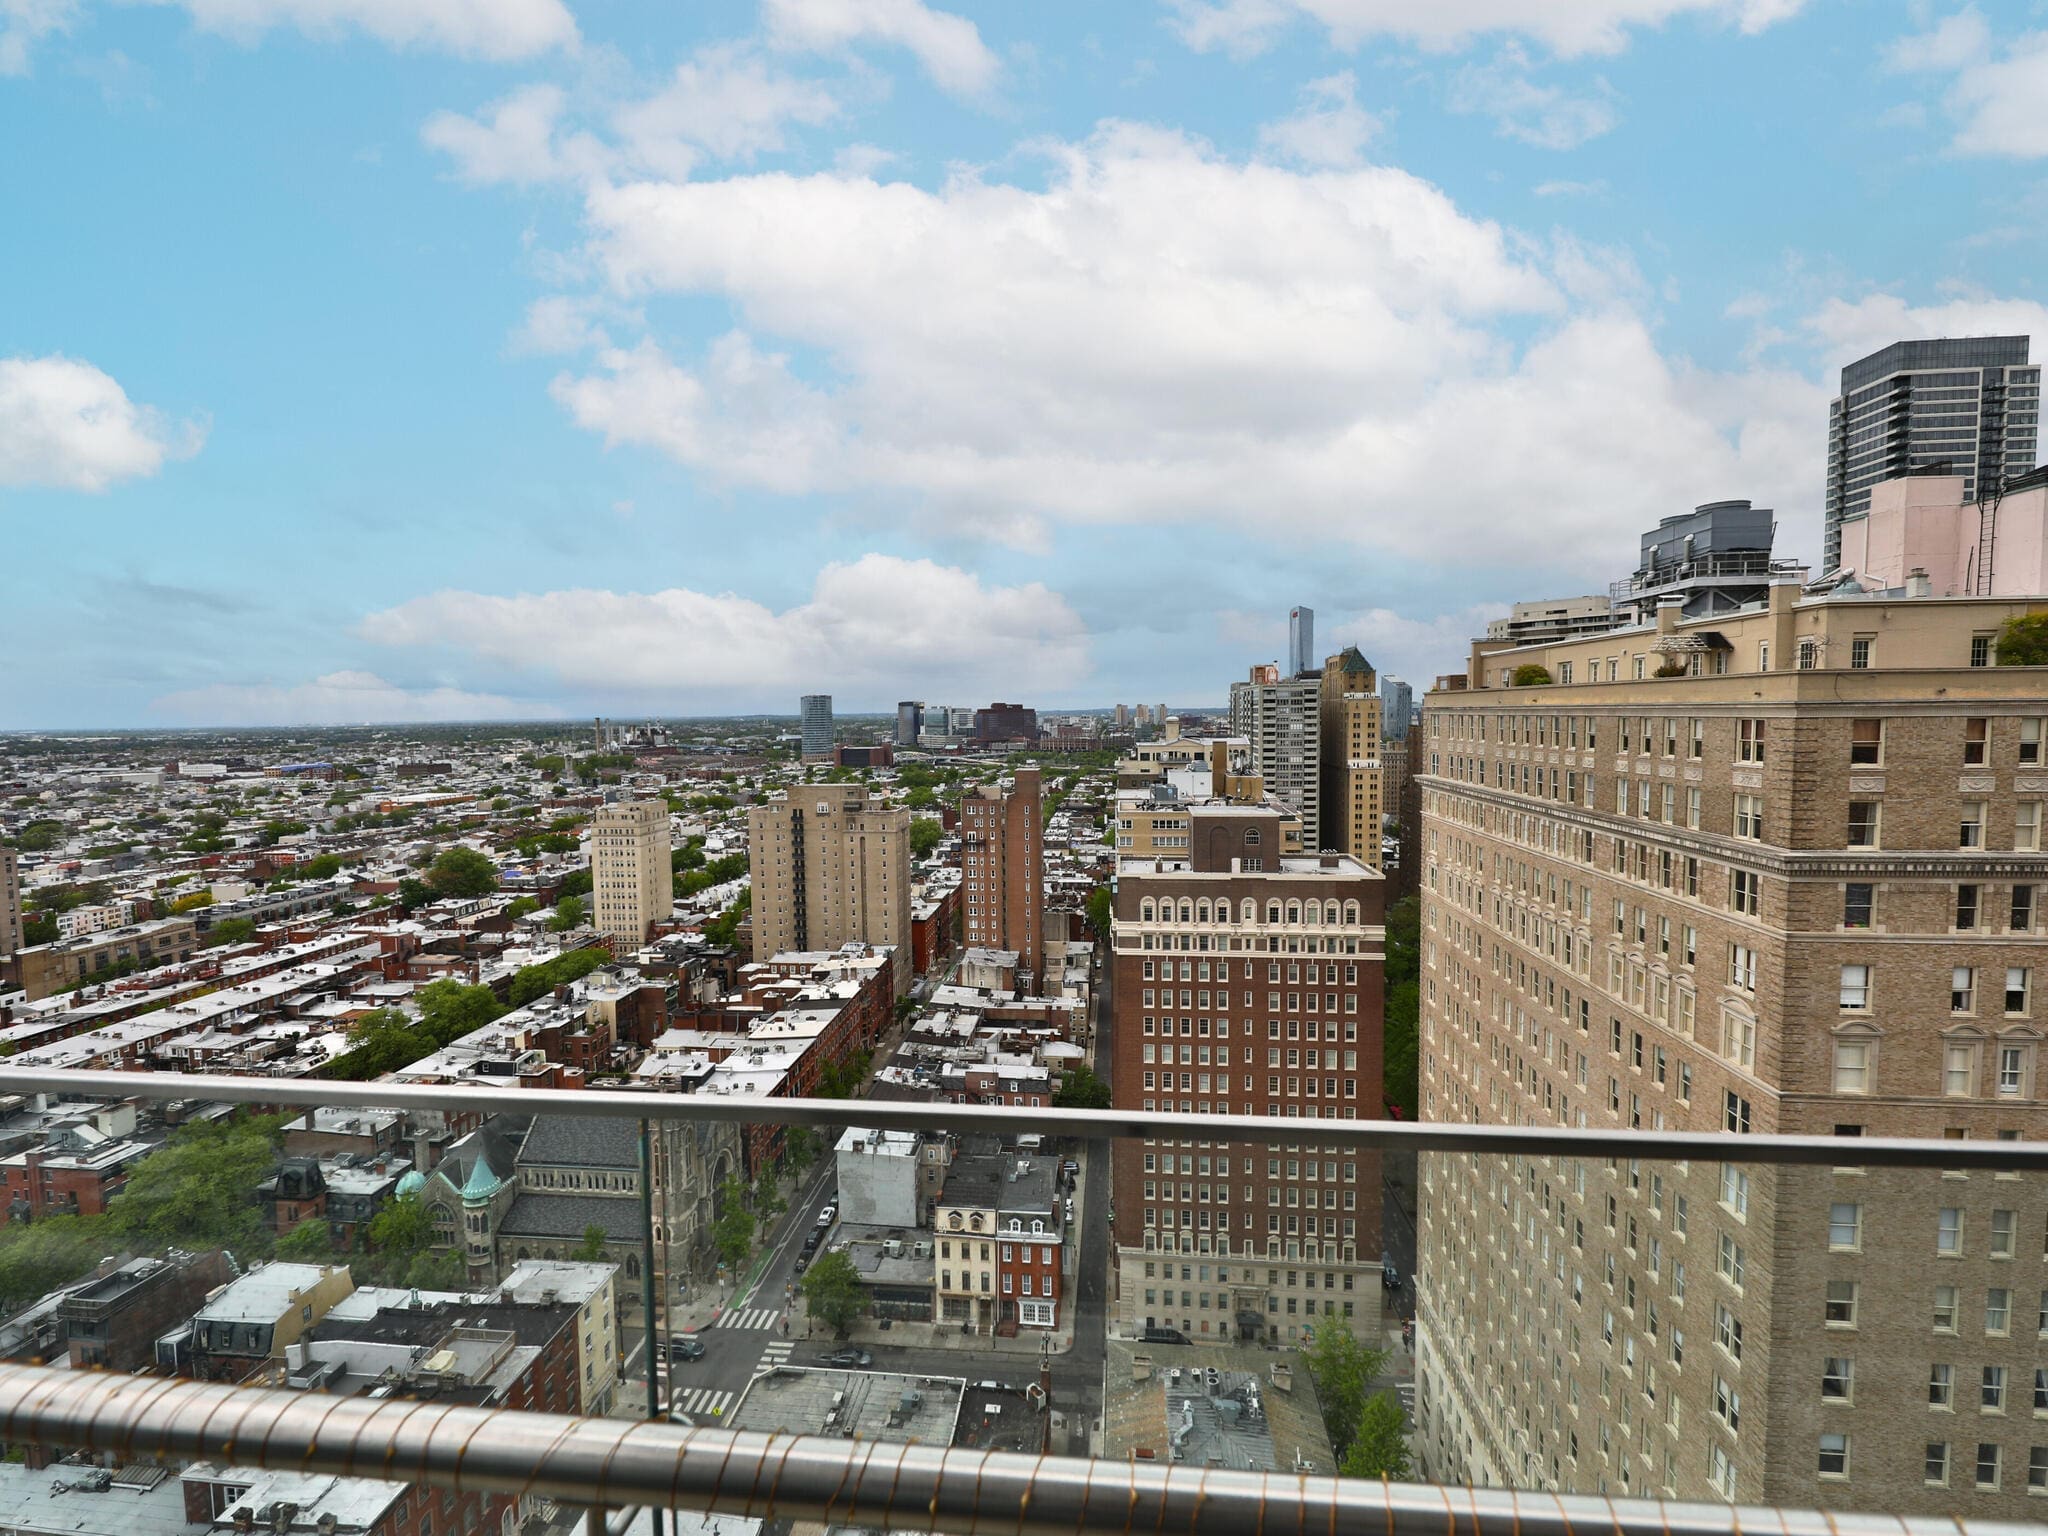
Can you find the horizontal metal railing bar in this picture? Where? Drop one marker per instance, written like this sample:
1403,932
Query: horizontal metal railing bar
872,1483
1084,1124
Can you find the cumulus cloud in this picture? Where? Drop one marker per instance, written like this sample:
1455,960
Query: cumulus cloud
1578,27
1995,96
1546,116
64,423
498,30
727,101
867,625
512,140
338,698
948,47
1847,329
1331,129
1126,343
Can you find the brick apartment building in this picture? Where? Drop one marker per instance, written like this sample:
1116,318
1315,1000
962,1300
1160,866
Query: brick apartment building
1274,1009
1002,862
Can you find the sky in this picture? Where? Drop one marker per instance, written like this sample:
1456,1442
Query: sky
405,360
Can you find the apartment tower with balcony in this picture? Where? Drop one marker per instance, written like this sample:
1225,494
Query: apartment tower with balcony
1777,870
1247,982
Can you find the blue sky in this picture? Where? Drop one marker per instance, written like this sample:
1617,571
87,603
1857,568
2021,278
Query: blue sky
427,359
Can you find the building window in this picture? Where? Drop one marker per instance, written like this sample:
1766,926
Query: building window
1945,1309
1837,1379
1959,1071
1749,817
1970,833
1863,823
1866,741
1936,1465
2030,741
1841,1304
1834,1455
1987,1453
1980,650
1855,987
1967,902
1976,741
1749,740
2016,988
1857,899
1962,989
1941,1386
1948,1232
1845,1225
1859,652
2012,1070
2026,826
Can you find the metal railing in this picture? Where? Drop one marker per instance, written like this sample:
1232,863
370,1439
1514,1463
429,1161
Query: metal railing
872,1484
1081,1124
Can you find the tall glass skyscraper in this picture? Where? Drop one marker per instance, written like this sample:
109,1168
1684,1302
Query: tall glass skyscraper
816,712
1301,641
1971,403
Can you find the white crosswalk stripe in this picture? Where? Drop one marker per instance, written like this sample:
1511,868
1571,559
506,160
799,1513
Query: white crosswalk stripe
1405,1391
777,1352
703,1400
753,1317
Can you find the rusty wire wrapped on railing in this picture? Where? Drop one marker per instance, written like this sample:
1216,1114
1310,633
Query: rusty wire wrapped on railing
870,1483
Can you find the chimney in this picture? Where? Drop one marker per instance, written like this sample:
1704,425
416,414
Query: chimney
1283,1376
1670,609
1919,583
1784,598
1141,1367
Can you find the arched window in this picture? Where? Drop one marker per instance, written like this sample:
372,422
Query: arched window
1273,913
1294,914
1249,912
1187,910
953,1220
974,1221
1351,912
1202,910
632,1266
1312,914
1145,910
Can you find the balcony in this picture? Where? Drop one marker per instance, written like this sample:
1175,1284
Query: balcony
1224,1432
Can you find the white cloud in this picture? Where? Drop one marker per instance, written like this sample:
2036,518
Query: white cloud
727,101
1950,44
1546,116
949,47
1570,188
338,698
23,23
1127,344
65,423
867,625
1848,329
486,29
1331,129
1999,100
513,140
1570,28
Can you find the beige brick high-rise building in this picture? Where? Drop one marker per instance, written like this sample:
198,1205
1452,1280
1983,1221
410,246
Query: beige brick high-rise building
1353,777
632,879
1774,871
1002,859
830,867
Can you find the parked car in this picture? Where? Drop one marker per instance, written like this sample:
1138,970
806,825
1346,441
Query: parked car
1070,1210
858,1359
1163,1336
685,1348
825,1216
1390,1277
811,1239
803,1262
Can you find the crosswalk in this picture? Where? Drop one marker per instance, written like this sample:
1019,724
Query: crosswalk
1405,1391
753,1317
775,1354
703,1402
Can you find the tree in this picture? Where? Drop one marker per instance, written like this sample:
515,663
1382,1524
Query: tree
310,1242
1530,674
381,1041
194,1191
836,1081
1101,910
520,907
322,867
531,981
1380,1448
2023,641
36,1257
232,930
725,927
568,914
926,833
800,1146
413,894
1081,1088
402,1228
1342,1369
732,1233
192,902
591,1248
462,872
833,1293
449,1010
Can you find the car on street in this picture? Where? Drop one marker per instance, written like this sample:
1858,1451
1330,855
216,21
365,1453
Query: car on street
803,1262
814,1237
1070,1210
858,1359
1163,1336
825,1216
685,1348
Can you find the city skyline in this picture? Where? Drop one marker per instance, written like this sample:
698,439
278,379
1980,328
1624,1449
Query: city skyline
376,507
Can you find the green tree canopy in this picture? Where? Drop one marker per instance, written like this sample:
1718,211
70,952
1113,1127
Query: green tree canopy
1342,1369
232,930
1101,910
462,872
1081,1088
1402,970
195,1191
449,1009
1530,674
2023,641
568,914
310,1242
833,1293
1380,1448
800,1147
531,981
521,906
591,1248
732,1233
926,833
